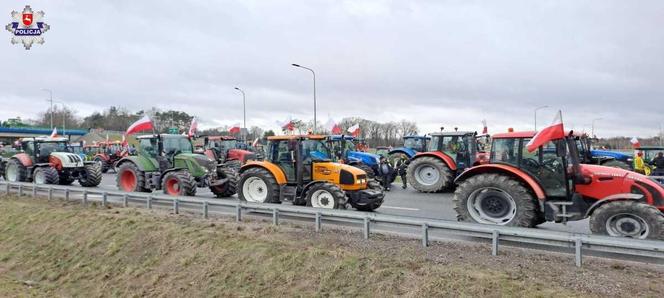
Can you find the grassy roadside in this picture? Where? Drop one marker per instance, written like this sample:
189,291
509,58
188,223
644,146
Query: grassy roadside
55,249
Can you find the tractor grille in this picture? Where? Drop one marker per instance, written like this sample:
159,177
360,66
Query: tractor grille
74,158
346,177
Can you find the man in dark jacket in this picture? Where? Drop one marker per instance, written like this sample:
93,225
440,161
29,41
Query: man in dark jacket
402,166
386,172
658,162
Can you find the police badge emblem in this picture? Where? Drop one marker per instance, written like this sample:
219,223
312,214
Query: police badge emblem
27,27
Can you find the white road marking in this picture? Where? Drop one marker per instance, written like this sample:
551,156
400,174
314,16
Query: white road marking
400,208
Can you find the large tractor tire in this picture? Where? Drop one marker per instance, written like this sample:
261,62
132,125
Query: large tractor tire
229,188
395,156
628,219
130,178
496,199
257,185
429,174
366,168
45,175
178,183
233,164
371,207
617,164
91,176
15,171
102,163
326,195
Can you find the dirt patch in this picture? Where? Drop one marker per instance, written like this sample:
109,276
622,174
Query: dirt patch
53,248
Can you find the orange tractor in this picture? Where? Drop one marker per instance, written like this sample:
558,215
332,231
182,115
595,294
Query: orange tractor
523,188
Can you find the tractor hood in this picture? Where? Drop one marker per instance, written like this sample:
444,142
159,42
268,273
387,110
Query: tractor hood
66,159
197,164
241,155
366,158
606,181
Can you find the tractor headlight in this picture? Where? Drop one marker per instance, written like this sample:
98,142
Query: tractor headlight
630,159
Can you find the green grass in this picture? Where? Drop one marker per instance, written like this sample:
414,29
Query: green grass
53,249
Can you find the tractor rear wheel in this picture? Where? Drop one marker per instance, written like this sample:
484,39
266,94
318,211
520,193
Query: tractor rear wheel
429,174
257,185
628,219
394,157
179,183
130,178
326,195
230,187
15,171
46,175
495,199
366,168
91,175
102,163
617,164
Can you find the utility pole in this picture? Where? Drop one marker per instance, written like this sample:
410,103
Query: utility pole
244,113
50,92
312,72
592,129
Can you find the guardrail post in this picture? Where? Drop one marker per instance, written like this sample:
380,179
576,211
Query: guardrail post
275,216
238,213
125,200
149,202
20,190
205,209
577,247
318,221
494,242
50,194
425,235
176,206
367,224
8,188
104,199
67,194
34,190
85,197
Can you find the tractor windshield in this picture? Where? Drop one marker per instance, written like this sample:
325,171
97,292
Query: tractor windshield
455,146
316,150
416,144
177,143
46,148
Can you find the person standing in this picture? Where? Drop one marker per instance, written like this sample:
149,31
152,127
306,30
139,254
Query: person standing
402,166
658,162
386,172
639,165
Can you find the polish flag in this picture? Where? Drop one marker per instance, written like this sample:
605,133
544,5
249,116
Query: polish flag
256,142
142,124
549,133
288,124
235,128
354,130
54,133
635,143
193,128
333,127
485,129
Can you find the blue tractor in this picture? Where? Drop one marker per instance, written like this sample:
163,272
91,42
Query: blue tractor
344,150
411,146
602,157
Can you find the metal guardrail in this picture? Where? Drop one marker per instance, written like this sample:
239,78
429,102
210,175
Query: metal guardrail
619,246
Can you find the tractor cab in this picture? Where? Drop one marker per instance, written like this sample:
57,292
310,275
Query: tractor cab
458,145
164,148
226,149
41,148
297,156
411,146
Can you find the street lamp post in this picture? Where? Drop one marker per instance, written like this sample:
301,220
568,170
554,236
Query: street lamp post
64,117
244,113
50,92
312,72
536,109
592,127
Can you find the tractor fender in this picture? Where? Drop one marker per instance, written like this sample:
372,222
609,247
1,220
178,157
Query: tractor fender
102,156
275,170
613,198
161,177
145,166
24,159
440,155
504,169
407,151
309,185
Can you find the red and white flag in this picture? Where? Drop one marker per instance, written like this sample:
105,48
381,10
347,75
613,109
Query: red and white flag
193,128
124,140
485,129
635,143
235,128
141,125
54,133
287,124
256,142
333,127
354,130
547,134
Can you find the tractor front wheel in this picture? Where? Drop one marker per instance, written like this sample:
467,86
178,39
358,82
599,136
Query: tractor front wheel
102,163
46,175
429,174
130,178
179,183
257,185
15,171
495,199
326,195
628,219
91,175
230,187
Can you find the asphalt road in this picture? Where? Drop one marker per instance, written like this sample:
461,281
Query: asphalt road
404,202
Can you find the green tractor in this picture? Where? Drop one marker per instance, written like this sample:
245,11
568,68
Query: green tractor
167,162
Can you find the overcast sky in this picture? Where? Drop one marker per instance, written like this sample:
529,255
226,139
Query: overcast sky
449,63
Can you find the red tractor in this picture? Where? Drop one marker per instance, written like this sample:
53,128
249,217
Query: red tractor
449,154
224,149
108,154
522,188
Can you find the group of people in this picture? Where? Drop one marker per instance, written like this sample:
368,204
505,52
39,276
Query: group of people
388,172
640,165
